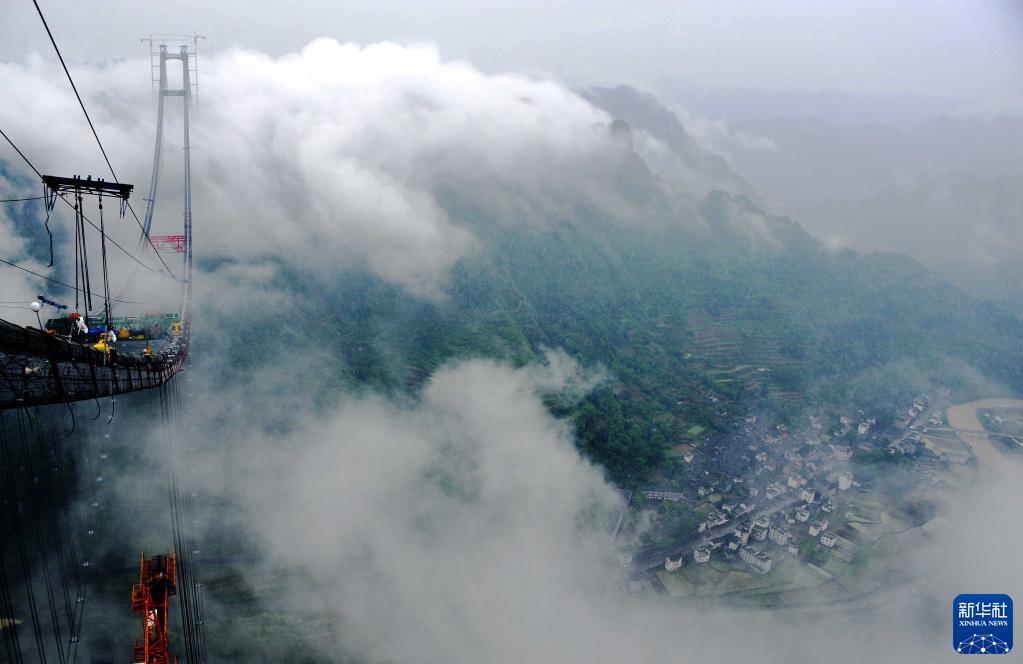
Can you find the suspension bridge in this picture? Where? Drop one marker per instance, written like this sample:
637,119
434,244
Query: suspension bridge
89,352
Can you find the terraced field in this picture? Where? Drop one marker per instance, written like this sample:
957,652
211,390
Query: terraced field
743,351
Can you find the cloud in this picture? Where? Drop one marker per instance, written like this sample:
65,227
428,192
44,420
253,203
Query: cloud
835,242
19,288
333,156
720,138
462,526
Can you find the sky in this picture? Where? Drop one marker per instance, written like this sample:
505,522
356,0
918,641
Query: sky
945,48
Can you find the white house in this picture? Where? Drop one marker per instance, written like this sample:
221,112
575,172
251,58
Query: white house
659,494
843,452
817,527
758,560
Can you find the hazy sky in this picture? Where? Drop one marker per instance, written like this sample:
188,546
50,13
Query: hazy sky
969,50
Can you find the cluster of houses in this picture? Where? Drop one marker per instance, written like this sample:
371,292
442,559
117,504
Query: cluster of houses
794,476
810,450
758,542
919,405
805,498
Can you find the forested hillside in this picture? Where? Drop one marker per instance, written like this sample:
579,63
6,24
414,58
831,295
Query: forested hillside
697,319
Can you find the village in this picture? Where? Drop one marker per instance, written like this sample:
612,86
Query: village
795,515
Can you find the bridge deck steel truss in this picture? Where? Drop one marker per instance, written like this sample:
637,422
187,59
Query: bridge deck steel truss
37,368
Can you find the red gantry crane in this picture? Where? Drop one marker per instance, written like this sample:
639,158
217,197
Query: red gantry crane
150,598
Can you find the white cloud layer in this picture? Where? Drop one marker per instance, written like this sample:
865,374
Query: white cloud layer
465,527
331,156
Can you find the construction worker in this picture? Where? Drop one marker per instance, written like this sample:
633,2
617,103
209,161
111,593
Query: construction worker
75,329
80,330
159,588
106,340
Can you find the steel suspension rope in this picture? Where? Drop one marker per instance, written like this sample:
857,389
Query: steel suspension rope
49,208
192,551
12,643
74,453
81,246
67,484
48,459
184,605
19,533
40,539
63,533
106,272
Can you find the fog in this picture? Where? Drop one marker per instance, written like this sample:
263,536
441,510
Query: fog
944,190
335,156
462,525
966,55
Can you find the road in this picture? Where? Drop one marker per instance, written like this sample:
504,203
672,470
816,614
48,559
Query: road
926,431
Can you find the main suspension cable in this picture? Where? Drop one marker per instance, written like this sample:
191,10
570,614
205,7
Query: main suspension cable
93,128
167,272
61,283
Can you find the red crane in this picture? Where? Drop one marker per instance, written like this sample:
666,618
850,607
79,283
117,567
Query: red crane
150,598
168,243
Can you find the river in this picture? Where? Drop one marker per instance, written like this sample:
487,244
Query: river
964,416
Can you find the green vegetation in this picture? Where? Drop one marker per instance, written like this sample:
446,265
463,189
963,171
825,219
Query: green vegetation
703,574
676,522
667,308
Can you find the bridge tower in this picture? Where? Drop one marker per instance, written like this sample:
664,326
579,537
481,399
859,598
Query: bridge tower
162,49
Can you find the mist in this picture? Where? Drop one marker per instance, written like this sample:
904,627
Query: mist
462,524
335,156
941,185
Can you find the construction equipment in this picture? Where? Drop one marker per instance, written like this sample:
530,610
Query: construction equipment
150,598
